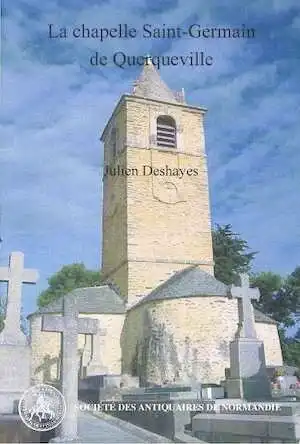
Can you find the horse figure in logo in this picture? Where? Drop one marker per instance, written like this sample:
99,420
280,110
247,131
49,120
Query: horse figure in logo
42,409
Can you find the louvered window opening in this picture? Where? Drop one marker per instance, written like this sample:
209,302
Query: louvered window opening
166,132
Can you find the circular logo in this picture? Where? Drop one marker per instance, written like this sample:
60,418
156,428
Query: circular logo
42,407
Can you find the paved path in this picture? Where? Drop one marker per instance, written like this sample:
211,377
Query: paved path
105,429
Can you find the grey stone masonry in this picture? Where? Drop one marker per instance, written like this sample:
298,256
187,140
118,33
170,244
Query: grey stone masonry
69,325
14,348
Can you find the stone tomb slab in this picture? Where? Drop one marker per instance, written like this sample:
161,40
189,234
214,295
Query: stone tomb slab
167,423
157,394
256,426
12,429
246,428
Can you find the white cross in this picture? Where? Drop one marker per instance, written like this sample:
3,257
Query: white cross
245,294
15,275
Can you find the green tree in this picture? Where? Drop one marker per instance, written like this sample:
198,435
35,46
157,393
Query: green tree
67,279
292,291
273,301
279,298
231,254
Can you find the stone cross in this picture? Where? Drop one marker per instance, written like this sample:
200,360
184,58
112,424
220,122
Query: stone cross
245,294
15,275
70,326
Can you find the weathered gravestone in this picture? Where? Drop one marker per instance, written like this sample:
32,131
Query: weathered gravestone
70,326
14,348
248,375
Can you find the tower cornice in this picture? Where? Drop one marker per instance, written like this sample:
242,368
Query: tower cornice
132,97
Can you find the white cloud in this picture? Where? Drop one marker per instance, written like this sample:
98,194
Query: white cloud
54,114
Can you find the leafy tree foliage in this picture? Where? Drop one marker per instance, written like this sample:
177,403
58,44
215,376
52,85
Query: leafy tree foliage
272,297
292,290
67,279
231,254
280,297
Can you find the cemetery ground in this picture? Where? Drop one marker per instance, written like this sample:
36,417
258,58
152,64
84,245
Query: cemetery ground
93,428
247,380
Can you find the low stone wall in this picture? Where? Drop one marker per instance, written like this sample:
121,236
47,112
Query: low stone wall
225,428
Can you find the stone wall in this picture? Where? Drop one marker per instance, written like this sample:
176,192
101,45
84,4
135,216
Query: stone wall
46,347
268,333
186,339
161,340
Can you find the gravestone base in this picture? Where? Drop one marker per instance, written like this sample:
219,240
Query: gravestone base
251,389
248,376
94,369
14,375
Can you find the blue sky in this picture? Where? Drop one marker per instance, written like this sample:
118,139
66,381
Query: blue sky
54,106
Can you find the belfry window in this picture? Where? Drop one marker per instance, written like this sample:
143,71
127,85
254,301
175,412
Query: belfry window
166,132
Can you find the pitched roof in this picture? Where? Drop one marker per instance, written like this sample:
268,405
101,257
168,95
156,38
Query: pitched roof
261,317
100,300
151,86
193,281
189,282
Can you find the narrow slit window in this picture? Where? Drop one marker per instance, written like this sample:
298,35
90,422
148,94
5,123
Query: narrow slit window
166,132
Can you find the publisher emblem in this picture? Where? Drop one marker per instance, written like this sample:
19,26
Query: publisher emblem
42,407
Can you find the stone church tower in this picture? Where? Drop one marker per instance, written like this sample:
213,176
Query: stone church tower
165,316
154,224
157,245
